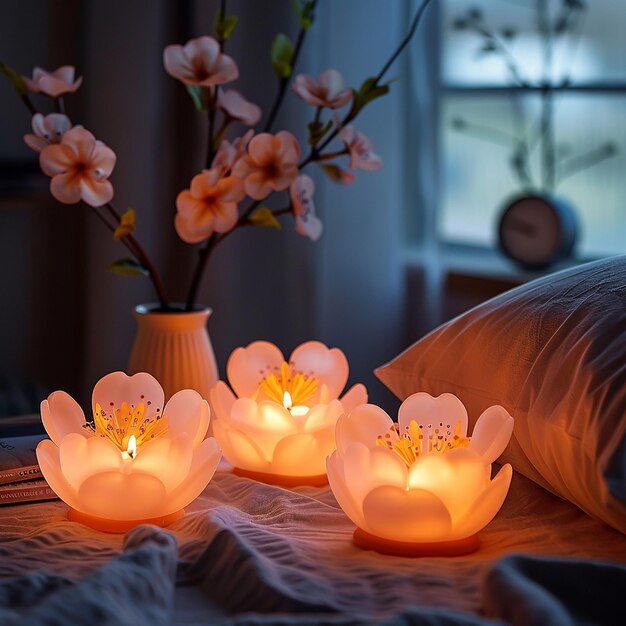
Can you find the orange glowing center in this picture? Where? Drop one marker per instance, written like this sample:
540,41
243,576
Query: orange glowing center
417,440
300,388
128,426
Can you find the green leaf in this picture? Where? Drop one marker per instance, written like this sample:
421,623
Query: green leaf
264,217
372,91
337,174
228,26
128,267
297,7
368,92
317,131
304,13
17,82
223,26
217,21
367,84
200,96
306,20
282,55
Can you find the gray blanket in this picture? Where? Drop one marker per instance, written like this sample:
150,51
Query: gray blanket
247,553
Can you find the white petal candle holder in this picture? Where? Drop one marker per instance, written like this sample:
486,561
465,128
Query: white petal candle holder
420,487
140,461
280,427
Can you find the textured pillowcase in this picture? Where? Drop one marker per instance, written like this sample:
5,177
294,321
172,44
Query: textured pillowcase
553,353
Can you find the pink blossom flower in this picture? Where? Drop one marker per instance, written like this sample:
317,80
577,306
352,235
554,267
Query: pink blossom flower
200,62
328,90
55,83
79,167
306,222
361,149
270,165
237,107
229,153
49,129
209,206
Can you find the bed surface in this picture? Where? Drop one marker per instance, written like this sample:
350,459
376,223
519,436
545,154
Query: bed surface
256,554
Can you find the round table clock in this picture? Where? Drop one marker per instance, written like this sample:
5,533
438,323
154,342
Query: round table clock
537,231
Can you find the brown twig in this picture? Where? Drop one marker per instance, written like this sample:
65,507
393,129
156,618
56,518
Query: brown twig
29,104
284,211
284,82
210,153
404,43
138,251
203,256
205,252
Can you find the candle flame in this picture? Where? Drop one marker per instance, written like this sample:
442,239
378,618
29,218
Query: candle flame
132,447
287,402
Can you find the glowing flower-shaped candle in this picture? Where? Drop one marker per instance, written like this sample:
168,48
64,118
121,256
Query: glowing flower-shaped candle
138,462
421,486
281,426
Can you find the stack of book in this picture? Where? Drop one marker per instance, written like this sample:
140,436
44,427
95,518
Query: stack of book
20,477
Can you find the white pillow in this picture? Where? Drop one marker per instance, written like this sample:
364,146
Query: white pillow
553,353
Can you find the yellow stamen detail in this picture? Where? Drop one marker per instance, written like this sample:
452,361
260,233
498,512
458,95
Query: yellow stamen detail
414,441
120,424
301,388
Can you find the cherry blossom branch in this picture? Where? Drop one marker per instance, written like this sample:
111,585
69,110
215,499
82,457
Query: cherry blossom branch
127,242
211,115
315,154
29,104
275,213
219,136
247,213
284,81
284,211
137,250
404,43
328,156
203,256
316,150
107,224
213,101
112,226
205,252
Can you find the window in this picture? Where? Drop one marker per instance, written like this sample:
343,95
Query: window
497,56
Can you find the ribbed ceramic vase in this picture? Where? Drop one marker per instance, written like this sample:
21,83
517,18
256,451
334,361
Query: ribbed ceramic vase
175,348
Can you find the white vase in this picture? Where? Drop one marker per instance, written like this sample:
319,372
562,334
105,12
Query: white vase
175,348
